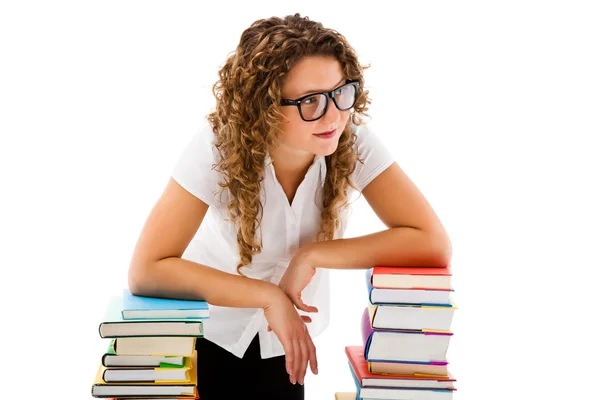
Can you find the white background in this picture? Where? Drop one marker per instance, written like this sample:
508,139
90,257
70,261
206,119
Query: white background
492,108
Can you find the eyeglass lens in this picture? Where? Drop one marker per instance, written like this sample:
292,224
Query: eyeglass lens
313,107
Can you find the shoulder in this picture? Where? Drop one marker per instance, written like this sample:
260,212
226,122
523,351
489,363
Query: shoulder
373,155
203,141
367,136
193,170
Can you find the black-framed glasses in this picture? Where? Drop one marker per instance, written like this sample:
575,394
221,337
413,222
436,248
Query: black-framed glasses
313,106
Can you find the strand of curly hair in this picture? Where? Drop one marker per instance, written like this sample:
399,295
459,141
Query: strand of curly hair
246,120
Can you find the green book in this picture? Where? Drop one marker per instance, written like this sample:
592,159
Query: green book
112,359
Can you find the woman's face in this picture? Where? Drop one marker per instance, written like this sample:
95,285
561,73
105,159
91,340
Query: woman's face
312,74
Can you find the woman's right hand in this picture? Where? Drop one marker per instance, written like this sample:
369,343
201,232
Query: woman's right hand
290,329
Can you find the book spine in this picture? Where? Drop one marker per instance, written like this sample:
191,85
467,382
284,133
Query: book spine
356,382
369,286
367,330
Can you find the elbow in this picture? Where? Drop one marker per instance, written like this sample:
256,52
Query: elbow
134,286
440,248
134,283
444,251
137,279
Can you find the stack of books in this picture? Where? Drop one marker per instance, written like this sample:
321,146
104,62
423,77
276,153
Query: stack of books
151,350
406,331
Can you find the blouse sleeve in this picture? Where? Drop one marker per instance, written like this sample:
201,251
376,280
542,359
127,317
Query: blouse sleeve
193,170
375,157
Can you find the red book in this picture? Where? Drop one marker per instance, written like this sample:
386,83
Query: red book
411,277
417,381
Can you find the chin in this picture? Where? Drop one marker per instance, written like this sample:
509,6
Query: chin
326,151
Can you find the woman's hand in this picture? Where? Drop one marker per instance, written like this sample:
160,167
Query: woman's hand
296,277
290,329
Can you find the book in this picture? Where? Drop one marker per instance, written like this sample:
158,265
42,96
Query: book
403,345
376,393
411,277
101,388
155,398
149,374
114,326
432,297
411,316
192,395
111,359
408,367
358,363
155,346
141,307
406,332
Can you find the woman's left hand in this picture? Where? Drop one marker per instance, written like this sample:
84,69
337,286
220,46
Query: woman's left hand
297,276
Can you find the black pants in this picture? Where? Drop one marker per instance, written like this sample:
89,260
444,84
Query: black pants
222,376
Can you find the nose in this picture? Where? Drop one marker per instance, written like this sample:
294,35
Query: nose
333,113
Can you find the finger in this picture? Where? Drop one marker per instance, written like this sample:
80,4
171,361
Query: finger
304,364
297,361
301,306
306,318
288,348
312,354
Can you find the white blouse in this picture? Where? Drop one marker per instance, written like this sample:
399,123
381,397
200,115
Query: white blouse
285,228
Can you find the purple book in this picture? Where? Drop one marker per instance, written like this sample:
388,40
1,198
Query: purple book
441,345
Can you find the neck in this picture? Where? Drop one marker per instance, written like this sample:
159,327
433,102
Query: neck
290,162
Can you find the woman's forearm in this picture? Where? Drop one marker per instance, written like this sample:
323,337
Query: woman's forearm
401,246
178,278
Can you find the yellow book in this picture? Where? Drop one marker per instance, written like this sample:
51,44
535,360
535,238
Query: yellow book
101,388
345,396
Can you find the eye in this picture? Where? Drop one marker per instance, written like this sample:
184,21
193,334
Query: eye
342,90
310,100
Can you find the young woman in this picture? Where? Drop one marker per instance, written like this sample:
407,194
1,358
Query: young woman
254,213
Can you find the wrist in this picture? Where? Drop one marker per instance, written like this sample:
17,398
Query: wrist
270,293
308,254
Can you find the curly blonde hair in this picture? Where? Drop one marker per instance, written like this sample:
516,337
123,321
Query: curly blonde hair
246,119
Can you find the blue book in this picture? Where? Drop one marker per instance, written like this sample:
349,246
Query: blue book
141,307
114,326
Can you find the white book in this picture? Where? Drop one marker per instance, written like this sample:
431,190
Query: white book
396,295
155,346
404,394
407,346
411,296
381,393
412,316
113,360
146,374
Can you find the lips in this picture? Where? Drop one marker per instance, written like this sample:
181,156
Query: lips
326,133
